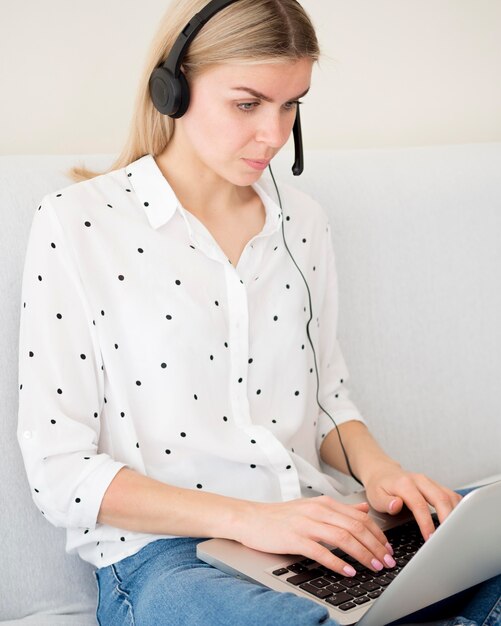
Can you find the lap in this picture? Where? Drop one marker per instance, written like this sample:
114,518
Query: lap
165,584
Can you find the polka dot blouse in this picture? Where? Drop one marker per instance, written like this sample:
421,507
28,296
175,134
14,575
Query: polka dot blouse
141,345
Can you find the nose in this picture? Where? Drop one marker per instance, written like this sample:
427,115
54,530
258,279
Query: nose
274,129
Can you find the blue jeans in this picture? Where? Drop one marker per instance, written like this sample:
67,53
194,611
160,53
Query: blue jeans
164,584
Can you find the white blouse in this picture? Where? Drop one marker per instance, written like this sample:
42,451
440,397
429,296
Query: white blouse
141,345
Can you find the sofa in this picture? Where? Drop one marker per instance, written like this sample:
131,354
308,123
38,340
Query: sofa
417,236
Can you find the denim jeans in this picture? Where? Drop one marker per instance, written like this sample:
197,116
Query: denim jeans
164,584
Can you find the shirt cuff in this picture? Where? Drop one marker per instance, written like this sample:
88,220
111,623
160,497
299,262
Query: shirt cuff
87,498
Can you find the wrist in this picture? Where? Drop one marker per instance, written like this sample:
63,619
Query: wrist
234,519
376,468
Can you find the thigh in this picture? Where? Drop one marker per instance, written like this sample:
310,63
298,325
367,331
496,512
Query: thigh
166,585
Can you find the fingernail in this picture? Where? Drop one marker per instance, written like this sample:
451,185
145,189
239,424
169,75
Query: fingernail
377,565
349,570
392,504
430,534
389,548
390,561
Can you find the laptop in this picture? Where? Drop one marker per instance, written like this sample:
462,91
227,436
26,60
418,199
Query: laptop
463,551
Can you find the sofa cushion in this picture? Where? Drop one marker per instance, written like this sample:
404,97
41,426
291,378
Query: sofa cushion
38,578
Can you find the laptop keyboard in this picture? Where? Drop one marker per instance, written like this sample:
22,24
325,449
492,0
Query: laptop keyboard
347,593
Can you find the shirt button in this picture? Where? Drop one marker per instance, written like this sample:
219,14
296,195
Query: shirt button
27,434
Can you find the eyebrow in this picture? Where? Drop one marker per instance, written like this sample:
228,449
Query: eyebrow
261,96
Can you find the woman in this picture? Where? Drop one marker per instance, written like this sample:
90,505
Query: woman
166,369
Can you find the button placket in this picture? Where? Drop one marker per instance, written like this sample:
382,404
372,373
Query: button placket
273,450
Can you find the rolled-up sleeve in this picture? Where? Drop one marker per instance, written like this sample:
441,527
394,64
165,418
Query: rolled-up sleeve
61,382
333,373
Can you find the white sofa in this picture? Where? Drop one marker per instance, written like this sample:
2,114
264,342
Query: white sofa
417,234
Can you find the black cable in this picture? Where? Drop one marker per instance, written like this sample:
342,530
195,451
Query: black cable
352,474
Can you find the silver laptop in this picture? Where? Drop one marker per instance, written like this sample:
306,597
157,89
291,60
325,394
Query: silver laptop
463,551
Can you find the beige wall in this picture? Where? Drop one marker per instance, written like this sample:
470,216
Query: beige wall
395,73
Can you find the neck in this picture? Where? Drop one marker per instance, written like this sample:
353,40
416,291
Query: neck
198,188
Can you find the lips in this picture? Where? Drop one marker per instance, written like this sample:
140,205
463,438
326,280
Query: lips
257,164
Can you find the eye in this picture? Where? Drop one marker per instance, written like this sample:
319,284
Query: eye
292,105
247,107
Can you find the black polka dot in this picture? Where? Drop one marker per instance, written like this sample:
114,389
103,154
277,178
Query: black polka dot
253,441
52,421
287,218
167,452
146,204
304,240
252,466
140,250
183,434
288,467
296,393
138,383
258,392
129,174
178,282
137,445
195,396
120,277
109,206
52,245
250,361
225,419
59,316
199,486
102,313
96,415
122,414
274,421
87,224
59,391
275,318
216,303
128,190
116,346
77,500
31,353
169,317
122,538
83,357
240,380
59,195
163,365
40,278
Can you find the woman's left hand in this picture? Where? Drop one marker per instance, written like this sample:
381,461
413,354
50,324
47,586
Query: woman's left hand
389,487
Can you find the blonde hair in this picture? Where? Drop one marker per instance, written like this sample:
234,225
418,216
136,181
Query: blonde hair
248,31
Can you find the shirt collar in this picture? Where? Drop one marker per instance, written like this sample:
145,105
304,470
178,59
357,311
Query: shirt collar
160,202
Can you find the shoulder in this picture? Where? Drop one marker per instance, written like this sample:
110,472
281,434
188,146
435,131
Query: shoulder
78,195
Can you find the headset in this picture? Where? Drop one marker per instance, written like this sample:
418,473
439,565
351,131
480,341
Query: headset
169,88
170,95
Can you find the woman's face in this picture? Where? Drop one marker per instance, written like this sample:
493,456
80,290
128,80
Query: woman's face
239,117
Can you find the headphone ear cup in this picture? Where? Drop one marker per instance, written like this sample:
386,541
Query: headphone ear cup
170,95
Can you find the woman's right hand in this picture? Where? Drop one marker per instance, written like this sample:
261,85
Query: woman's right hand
298,527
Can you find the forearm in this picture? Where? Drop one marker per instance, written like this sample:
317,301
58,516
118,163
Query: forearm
363,451
139,503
